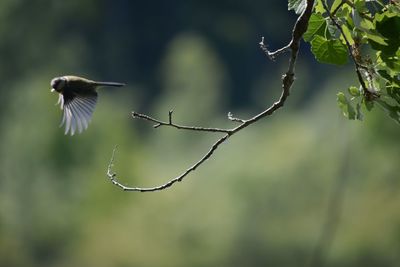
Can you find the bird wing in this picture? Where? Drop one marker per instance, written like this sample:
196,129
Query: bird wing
77,111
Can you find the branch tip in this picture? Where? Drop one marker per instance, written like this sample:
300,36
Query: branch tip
170,116
232,118
287,81
134,114
262,41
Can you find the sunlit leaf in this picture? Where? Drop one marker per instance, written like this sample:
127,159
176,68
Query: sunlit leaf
347,34
319,7
335,5
360,6
316,26
344,11
366,24
375,38
354,91
329,51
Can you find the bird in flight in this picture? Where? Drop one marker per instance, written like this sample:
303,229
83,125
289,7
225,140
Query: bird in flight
77,99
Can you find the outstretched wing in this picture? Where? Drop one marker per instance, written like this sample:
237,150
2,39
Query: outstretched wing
77,111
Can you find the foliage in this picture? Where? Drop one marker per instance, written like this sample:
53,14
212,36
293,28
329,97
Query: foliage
368,32
297,5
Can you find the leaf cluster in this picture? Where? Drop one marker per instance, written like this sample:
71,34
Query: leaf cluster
368,32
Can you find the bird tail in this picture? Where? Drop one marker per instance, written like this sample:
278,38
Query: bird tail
114,84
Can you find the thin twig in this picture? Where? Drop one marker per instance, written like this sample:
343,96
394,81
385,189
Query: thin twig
232,118
112,176
370,94
159,123
287,81
272,55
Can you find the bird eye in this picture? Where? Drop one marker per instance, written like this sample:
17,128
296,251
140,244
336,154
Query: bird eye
58,83
54,83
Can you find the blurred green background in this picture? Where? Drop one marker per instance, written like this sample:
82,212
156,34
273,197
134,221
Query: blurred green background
262,200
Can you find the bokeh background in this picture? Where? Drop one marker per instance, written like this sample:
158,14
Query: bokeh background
301,187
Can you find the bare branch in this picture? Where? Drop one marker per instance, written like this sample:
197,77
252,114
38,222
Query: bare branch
232,118
159,123
287,81
274,54
112,176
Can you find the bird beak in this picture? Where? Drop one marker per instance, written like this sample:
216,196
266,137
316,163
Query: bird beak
52,90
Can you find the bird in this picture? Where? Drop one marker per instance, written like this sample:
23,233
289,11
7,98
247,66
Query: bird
77,99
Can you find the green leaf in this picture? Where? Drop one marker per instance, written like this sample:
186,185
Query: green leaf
393,80
354,91
347,34
366,24
387,24
335,5
392,111
360,6
393,8
394,92
360,35
319,7
369,105
297,5
359,114
392,63
329,51
350,21
344,11
331,28
316,26
376,38
346,107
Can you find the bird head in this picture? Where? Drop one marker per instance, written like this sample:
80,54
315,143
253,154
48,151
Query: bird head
58,83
